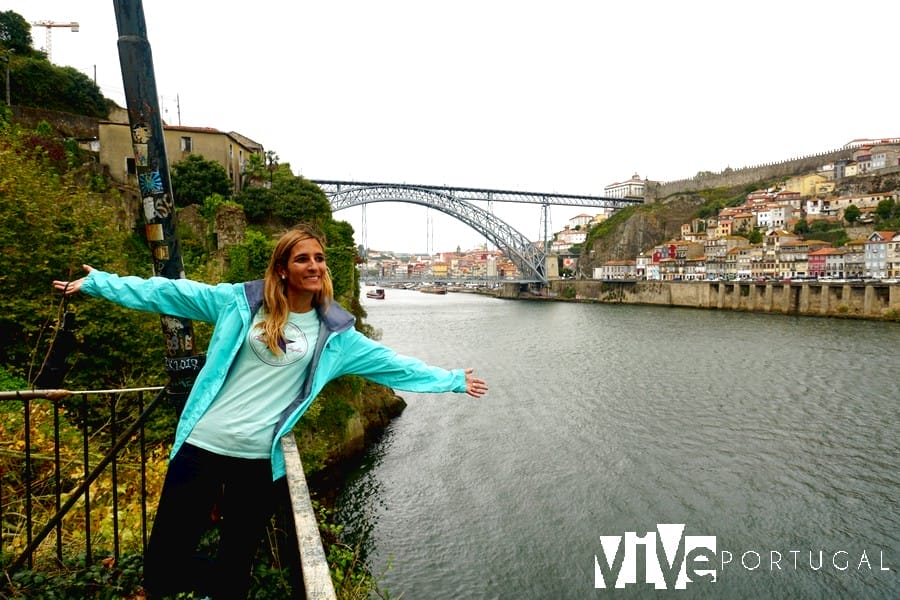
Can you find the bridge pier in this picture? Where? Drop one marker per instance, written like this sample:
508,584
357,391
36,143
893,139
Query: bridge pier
551,266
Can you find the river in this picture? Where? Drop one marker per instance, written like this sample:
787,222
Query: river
773,440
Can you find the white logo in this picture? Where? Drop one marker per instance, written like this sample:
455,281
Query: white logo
671,559
293,344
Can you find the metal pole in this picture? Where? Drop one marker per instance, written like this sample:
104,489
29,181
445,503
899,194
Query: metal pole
151,163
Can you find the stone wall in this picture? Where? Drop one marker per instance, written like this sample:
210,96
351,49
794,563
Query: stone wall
64,124
830,299
191,220
745,176
230,225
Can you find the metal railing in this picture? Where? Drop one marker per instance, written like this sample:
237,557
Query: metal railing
60,460
42,476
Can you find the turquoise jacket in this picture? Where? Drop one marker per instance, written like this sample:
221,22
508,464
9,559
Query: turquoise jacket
340,350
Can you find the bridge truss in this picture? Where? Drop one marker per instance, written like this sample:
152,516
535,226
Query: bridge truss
458,203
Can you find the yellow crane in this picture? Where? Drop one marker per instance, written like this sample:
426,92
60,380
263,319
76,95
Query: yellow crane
49,25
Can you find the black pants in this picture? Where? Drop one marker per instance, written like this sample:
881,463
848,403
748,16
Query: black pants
244,496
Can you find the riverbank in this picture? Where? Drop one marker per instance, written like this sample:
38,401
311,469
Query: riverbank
344,422
862,300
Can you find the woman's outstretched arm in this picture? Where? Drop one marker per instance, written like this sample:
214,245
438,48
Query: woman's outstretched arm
475,386
71,287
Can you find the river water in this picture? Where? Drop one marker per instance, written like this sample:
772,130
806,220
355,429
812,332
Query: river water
773,440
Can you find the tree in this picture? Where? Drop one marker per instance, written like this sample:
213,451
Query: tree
802,227
755,236
81,93
49,226
15,33
248,260
851,214
195,178
272,164
342,257
255,171
36,82
885,209
299,200
257,203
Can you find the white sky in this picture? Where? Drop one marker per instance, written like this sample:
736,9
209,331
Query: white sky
564,96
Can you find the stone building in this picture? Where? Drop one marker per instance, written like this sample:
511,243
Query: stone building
231,150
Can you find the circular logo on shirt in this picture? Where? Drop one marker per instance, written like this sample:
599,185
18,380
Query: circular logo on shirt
294,346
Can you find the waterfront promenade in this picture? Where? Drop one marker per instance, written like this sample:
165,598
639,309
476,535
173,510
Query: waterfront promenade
864,300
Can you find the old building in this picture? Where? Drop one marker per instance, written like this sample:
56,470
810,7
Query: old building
231,150
633,188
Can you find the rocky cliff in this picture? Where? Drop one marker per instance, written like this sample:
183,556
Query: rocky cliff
640,228
349,415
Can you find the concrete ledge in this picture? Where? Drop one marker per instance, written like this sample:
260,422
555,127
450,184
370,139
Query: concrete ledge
316,576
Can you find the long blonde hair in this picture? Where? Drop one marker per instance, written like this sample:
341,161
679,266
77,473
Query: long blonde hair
276,311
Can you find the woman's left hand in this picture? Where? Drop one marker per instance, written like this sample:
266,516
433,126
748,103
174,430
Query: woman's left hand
475,386
71,287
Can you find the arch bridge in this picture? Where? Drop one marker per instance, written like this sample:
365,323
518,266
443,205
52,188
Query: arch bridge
458,202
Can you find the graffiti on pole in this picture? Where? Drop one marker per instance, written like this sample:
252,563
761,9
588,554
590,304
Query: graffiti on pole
152,170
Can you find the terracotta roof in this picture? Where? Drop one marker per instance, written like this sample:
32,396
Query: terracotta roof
827,251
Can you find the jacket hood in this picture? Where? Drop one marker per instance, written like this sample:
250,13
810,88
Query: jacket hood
332,314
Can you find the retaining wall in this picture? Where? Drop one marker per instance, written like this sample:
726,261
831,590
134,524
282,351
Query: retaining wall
831,299
746,175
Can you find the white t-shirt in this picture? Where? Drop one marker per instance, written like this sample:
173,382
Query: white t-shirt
259,386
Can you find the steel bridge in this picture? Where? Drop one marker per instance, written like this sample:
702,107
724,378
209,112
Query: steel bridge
458,202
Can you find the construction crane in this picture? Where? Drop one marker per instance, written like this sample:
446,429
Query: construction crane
49,25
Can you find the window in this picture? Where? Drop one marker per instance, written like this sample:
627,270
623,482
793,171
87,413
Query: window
186,145
130,168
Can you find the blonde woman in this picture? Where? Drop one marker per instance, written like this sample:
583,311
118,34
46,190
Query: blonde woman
276,343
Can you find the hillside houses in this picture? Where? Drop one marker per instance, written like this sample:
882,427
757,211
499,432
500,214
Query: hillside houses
781,255
478,263
565,239
719,247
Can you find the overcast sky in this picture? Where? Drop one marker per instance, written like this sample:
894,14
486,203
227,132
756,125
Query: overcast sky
562,96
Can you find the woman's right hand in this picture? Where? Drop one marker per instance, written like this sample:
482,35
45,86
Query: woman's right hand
71,287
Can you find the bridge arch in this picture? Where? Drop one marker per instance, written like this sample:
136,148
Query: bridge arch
530,260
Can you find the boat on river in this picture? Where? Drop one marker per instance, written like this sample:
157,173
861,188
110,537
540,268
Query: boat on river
377,294
433,289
